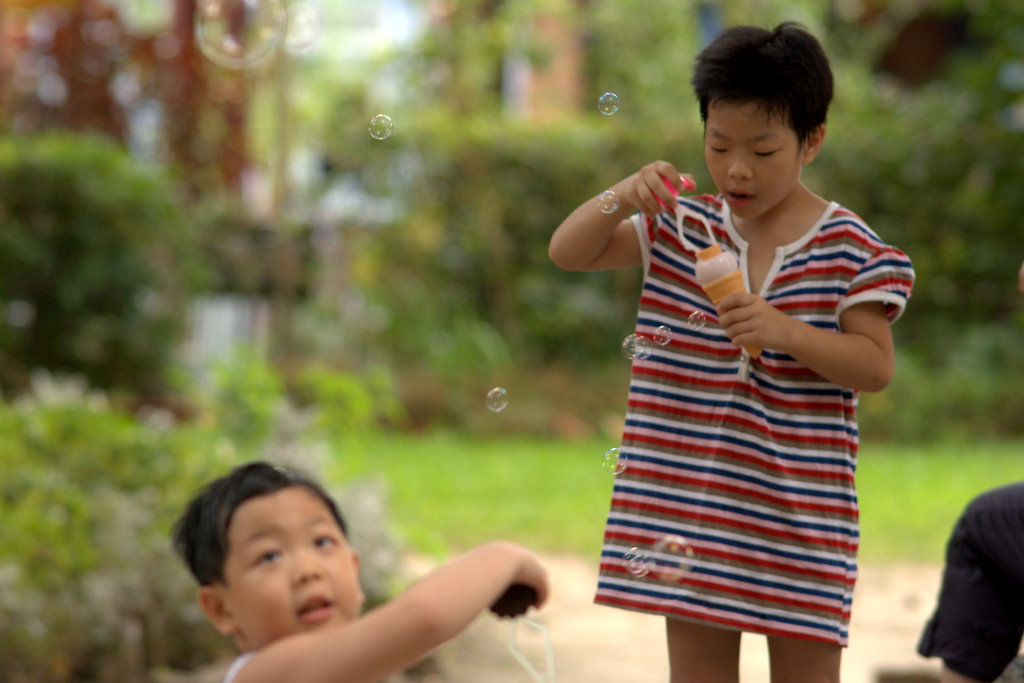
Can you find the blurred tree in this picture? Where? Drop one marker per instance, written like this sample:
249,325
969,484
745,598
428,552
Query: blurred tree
933,166
79,65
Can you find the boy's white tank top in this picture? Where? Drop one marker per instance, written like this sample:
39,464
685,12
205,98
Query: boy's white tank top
237,665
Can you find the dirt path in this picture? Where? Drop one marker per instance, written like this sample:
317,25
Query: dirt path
599,644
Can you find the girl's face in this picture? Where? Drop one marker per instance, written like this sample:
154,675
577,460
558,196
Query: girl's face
755,160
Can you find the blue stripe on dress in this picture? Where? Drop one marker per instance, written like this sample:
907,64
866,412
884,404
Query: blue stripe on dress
745,512
772,485
695,535
736,441
683,396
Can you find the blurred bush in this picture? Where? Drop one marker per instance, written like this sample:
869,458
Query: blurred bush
972,392
97,260
89,587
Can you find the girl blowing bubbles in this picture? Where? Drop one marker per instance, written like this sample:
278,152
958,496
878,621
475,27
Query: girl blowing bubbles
750,460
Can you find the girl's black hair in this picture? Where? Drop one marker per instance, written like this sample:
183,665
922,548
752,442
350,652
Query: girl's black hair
784,70
200,535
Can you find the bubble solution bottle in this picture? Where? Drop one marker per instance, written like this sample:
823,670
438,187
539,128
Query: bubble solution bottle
719,275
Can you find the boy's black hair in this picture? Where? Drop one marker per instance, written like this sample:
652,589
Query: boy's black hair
200,535
784,70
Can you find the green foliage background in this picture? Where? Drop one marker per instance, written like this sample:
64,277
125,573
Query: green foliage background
445,278
462,272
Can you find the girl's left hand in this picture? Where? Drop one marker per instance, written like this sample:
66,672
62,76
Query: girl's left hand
749,320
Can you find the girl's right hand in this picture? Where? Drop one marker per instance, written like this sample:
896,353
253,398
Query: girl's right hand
649,188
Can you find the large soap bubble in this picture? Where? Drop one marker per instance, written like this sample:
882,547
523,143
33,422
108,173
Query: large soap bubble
239,34
672,557
497,399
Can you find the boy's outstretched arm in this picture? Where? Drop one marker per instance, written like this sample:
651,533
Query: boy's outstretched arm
398,633
589,239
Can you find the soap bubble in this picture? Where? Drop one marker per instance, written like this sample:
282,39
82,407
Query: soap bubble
239,34
636,347
497,399
608,103
697,320
672,557
662,335
608,201
614,461
380,127
636,562
303,31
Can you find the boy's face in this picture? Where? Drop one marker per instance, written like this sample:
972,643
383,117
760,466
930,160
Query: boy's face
755,160
289,569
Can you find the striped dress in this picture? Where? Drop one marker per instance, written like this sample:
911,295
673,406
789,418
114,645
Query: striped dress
745,465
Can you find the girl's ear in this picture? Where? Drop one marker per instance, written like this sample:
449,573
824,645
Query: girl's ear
812,145
216,608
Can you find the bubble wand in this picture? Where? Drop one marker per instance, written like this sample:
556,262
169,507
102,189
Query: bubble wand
681,212
514,603
717,271
546,676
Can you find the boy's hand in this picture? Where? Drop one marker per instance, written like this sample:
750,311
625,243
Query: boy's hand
749,320
515,601
654,187
533,574
1020,279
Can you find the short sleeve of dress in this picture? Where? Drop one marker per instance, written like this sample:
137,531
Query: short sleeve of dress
886,276
645,228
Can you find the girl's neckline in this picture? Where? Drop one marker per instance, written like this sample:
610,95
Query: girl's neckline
796,244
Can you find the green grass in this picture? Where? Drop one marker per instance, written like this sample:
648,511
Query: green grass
449,492
910,496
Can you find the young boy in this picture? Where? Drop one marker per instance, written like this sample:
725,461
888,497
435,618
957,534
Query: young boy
268,547
979,619
749,460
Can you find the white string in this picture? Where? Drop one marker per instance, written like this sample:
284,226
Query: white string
547,676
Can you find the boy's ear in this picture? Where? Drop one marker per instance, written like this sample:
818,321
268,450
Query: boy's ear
215,605
359,585
813,143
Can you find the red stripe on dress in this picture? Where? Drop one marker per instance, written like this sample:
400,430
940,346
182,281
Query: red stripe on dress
746,558
764,529
663,476
776,399
818,471
799,435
